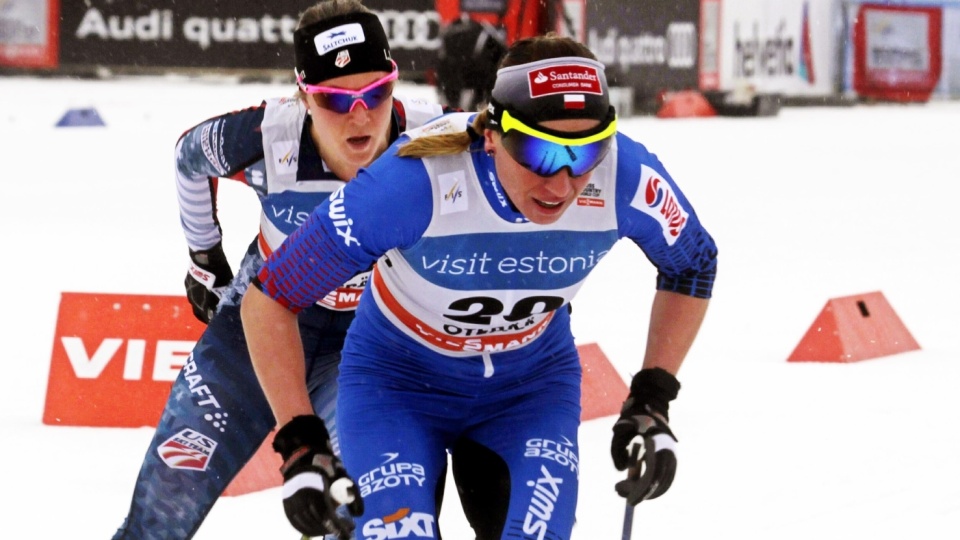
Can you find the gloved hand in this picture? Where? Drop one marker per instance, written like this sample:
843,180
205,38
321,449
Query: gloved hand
208,275
314,480
642,441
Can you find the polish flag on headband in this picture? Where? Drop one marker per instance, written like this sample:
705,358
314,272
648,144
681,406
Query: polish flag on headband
573,101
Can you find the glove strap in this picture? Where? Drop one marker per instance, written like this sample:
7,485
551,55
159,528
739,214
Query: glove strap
306,431
654,388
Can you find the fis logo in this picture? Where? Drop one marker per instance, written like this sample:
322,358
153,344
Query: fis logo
286,156
288,159
400,524
454,197
338,215
188,449
454,194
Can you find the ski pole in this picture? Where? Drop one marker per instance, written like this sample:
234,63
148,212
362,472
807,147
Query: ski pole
632,472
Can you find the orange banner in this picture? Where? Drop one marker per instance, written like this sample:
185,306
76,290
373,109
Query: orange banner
115,357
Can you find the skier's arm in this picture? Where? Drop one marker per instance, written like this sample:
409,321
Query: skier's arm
220,147
675,320
282,371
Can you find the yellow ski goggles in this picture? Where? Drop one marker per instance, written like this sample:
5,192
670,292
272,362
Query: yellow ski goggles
545,151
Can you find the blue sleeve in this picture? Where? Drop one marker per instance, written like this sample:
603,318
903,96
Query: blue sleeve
656,215
388,205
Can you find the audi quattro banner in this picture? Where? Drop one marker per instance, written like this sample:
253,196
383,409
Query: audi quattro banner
649,46
241,34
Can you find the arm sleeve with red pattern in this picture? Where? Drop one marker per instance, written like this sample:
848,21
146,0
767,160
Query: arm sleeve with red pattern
307,266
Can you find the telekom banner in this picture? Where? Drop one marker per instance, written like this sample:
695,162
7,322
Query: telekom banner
28,33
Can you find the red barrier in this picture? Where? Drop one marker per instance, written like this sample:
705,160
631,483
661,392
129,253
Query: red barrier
853,328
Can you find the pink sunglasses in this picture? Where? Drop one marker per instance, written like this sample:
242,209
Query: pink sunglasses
343,100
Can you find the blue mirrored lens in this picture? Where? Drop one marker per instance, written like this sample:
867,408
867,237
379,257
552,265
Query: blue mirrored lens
547,158
341,103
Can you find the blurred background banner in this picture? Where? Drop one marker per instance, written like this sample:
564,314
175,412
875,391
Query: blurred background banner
794,51
647,46
236,35
28,33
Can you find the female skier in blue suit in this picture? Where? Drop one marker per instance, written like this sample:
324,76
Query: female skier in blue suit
482,227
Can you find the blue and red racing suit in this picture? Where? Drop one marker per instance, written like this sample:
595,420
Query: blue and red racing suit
465,332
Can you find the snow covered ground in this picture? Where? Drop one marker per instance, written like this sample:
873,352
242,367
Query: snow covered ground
814,204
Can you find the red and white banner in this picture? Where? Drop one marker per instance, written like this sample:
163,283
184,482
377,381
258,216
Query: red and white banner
897,51
29,33
115,357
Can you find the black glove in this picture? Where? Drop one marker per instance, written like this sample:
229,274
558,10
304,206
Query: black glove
642,441
208,275
314,480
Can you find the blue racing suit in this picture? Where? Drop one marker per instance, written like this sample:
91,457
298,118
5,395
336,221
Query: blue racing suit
464,333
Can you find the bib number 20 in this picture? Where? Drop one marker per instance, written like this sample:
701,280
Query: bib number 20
479,309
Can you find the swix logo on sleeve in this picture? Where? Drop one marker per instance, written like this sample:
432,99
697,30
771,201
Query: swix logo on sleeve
656,198
188,449
338,215
401,524
341,36
563,79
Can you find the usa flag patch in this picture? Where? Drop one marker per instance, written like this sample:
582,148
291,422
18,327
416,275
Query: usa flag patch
188,449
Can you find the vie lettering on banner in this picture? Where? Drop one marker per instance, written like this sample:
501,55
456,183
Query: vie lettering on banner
115,357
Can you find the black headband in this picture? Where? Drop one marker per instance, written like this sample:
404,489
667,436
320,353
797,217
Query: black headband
341,45
554,89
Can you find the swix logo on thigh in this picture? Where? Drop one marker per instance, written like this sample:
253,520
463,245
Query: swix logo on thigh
546,492
188,449
392,473
401,524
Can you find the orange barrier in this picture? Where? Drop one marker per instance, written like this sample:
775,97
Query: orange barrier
853,328
685,104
